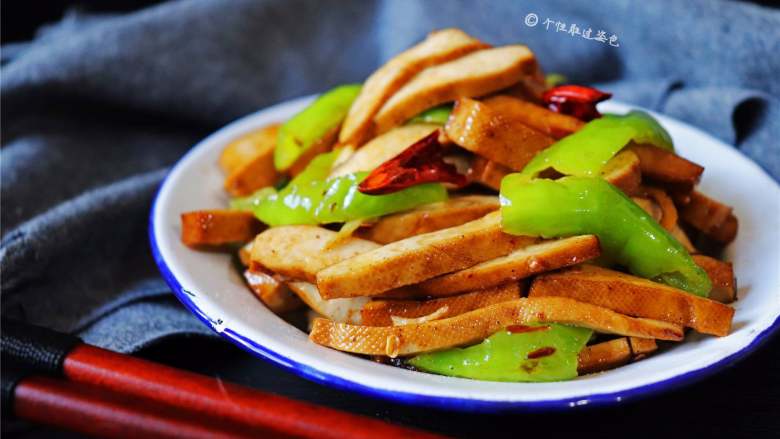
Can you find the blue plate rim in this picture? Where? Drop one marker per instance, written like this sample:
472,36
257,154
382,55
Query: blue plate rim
437,402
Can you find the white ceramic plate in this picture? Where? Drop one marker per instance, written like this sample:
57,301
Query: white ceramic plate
210,287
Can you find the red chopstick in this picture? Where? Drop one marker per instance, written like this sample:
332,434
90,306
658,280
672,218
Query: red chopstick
220,400
93,412
103,393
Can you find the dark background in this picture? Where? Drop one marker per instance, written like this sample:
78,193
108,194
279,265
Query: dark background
743,401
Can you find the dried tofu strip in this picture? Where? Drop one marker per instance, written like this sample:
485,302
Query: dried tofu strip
474,326
242,149
249,161
519,264
635,296
724,284
337,310
271,291
624,171
206,228
440,46
475,74
642,347
604,356
497,136
299,252
245,254
381,312
664,166
711,217
382,148
531,88
429,218
613,353
487,172
418,258
439,313
555,125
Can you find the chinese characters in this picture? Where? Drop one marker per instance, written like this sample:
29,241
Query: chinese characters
572,29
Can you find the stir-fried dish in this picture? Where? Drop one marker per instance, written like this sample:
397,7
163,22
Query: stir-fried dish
460,214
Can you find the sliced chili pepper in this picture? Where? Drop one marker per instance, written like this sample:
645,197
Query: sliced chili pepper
541,352
519,329
420,163
575,100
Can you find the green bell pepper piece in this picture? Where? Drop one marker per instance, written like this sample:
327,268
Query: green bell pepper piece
585,152
589,205
504,356
437,115
555,79
312,198
298,134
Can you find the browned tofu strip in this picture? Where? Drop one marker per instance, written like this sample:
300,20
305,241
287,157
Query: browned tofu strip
613,353
726,232
497,136
474,326
380,312
429,218
635,296
418,258
440,46
530,88
271,291
242,149
665,166
245,254
711,217
623,170
299,252
519,264
642,347
249,161
218,227
555,125
724,284
604,356
487,172
475,74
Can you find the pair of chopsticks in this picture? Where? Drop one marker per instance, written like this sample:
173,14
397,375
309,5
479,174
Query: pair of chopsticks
97,392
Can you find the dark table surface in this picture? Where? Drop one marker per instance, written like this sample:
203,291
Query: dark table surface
740,401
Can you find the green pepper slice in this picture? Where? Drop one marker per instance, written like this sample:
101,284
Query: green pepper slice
312,198
589,205
437,115
538,353
585,152
298,134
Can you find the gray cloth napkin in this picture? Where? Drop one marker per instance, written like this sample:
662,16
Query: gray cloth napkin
97,108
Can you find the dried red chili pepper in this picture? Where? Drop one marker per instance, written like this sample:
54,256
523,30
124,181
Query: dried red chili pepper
575,100
420,163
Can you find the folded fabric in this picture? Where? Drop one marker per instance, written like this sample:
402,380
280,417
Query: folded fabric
96,108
